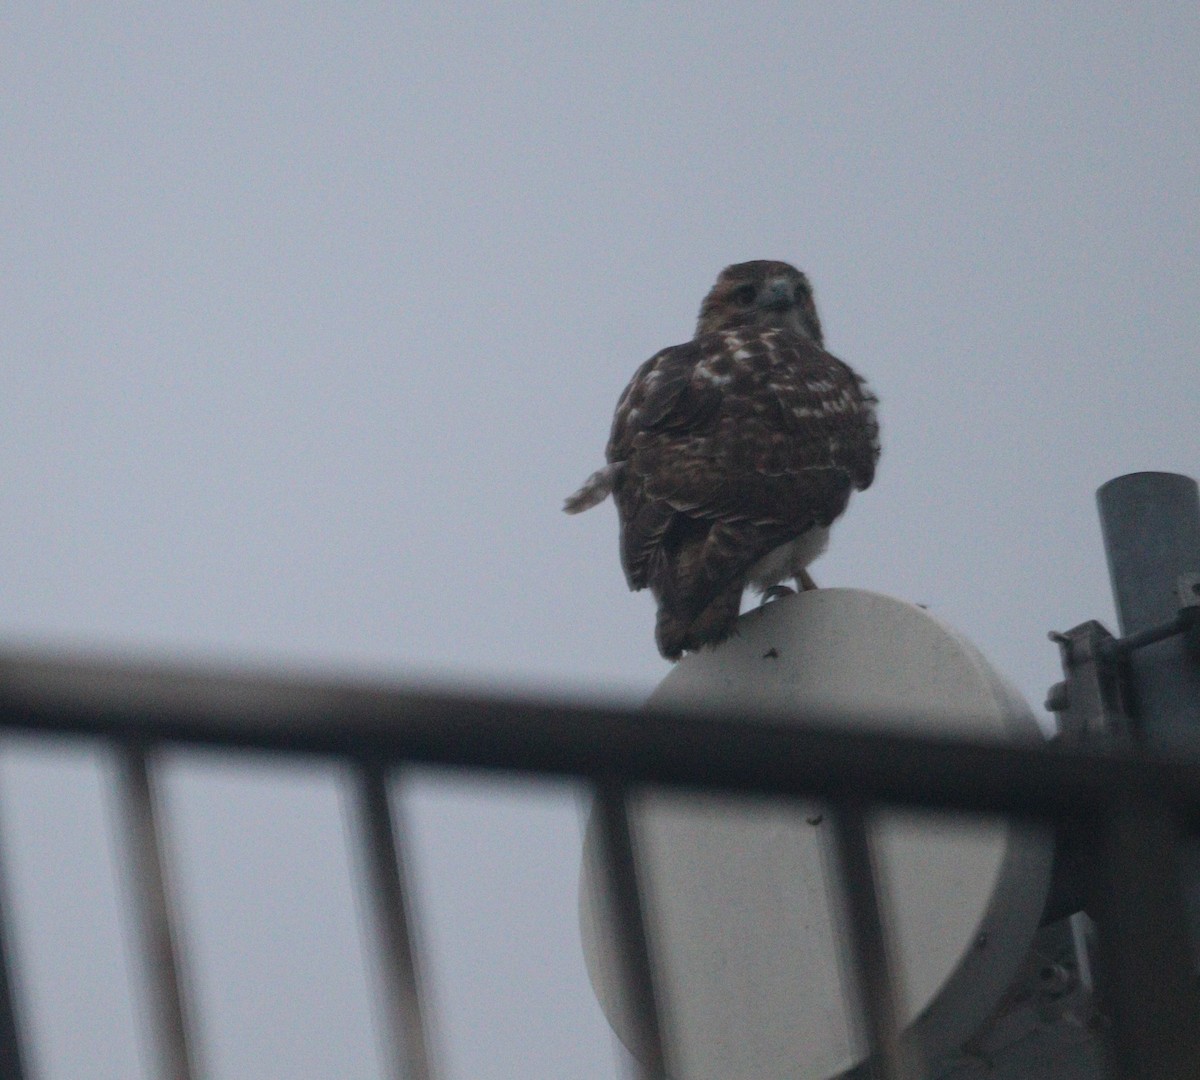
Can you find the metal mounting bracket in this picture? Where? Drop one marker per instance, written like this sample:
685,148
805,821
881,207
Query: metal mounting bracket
1092,701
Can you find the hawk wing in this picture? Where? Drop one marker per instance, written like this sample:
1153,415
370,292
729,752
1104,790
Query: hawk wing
764,435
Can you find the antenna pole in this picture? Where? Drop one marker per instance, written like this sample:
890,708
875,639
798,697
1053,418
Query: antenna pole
1151,527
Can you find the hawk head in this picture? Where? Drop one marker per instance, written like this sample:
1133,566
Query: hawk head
761,295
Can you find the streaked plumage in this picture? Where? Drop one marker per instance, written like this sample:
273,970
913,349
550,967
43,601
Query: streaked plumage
732,454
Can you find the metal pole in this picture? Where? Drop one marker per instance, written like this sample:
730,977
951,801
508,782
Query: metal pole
11,1067
392,906
1149,881
160,943
1151,527
633,946
1146,974
874,987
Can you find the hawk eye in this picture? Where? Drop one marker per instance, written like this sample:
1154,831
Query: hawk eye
745,295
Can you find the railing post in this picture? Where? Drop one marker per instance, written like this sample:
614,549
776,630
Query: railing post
635,963
11,1067
875,989
159,938
392,908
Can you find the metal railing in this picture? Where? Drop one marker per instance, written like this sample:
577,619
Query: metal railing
1133,806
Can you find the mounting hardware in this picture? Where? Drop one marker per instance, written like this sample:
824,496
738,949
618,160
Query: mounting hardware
1092,702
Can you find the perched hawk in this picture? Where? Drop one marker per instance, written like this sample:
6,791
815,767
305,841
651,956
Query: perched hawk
731,455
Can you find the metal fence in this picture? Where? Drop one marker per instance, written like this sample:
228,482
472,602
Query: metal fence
1132,807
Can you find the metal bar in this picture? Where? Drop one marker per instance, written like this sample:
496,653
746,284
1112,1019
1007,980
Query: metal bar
712,751
383,849
1147,968
633,945
11,1064
160,942
1150,636
875,1000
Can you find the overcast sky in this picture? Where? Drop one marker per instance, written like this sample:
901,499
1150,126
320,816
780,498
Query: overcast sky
314,313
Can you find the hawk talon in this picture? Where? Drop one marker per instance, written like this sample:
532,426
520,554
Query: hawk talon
775,592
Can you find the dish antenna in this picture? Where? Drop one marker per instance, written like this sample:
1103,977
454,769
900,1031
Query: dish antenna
745,926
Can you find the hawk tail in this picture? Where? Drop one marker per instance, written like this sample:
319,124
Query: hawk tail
596,488
713,625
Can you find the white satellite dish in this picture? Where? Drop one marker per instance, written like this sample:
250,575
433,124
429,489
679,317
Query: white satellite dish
745,933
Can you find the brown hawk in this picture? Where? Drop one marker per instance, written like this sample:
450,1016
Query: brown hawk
731,455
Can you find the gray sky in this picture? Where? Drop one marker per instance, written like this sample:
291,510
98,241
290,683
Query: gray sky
313,316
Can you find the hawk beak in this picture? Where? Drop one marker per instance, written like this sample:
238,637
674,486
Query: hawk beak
776,295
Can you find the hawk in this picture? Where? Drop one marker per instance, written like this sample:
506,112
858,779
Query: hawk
732,454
